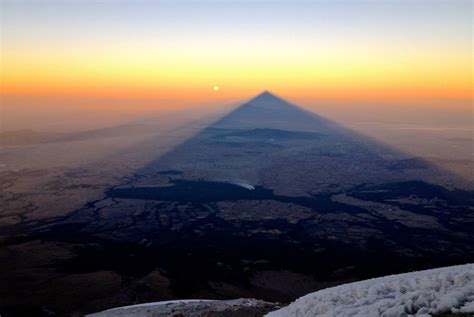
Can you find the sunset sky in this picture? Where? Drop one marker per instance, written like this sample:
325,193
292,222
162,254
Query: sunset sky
175,49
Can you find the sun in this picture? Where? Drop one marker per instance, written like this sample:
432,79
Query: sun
215,88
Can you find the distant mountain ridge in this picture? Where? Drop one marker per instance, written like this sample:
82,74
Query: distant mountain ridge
27,137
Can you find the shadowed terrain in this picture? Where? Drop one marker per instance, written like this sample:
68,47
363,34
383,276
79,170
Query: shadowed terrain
270,201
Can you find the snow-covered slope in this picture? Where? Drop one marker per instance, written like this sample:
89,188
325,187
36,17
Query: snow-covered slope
193,308
424,293
449,289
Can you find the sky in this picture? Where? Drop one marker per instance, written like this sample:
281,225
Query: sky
358,50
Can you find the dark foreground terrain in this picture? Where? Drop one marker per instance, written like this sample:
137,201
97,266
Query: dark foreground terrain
269,202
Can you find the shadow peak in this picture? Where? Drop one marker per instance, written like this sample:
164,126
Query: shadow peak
267,97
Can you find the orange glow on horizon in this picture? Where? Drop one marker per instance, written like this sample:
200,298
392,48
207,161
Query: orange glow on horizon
305,61
338,77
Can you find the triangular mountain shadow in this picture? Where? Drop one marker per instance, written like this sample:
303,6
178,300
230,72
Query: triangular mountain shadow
271,142
269,111
273,202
